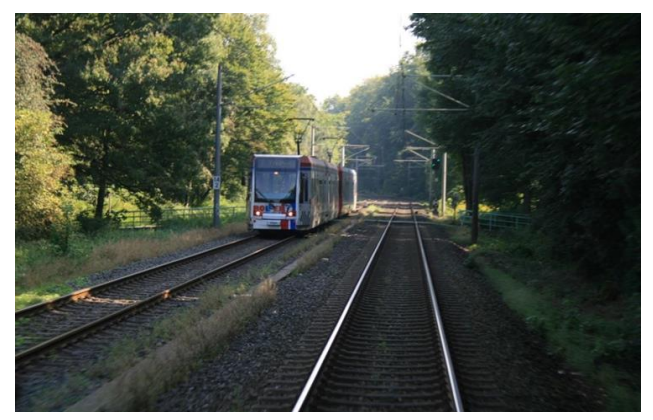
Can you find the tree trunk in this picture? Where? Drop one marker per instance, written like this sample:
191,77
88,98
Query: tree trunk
102,184
102,192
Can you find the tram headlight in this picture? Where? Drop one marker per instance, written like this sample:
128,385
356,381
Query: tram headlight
290,213
257,213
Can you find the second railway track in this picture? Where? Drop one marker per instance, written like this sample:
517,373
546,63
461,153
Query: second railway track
65,319
42,370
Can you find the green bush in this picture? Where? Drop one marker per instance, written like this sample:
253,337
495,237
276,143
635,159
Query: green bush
91,225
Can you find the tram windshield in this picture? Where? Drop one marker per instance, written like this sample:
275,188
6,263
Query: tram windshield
275,180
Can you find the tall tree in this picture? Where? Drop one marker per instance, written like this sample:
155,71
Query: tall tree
258,102
40,165
142,88
556,109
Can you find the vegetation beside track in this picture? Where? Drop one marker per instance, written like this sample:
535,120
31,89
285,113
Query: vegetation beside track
43,272
597,332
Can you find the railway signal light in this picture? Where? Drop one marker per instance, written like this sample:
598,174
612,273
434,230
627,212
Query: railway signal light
435,164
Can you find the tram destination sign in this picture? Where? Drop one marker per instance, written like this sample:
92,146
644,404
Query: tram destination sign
276,163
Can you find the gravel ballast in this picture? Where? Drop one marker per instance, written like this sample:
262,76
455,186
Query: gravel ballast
234,380
503,366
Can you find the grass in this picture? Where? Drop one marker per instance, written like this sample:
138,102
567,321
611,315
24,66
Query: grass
598,337
315,254
369,211
56,399
42,273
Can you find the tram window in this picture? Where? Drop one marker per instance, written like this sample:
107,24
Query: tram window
303,197
275,186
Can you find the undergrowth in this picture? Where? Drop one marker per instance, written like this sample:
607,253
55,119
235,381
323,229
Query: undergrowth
42,273
595,333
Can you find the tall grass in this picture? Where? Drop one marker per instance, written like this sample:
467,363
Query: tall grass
42,273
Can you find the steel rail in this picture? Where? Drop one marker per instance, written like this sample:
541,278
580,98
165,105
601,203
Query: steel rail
164,295
88,291
327,348
453,383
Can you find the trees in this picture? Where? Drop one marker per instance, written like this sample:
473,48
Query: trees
258,104
40,166
140,114
556,109
369,122
125,76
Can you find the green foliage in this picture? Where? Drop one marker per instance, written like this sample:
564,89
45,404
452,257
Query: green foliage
124,73
34,75
91,225
556,112
598,338
140,91
40,166
61,233
258,105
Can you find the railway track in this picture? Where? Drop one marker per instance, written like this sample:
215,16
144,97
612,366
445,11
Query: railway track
67,319
385,349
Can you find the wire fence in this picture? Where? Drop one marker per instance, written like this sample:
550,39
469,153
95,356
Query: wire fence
496,220
139,219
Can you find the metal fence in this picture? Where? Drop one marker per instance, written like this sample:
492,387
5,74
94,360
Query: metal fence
496,220
139,219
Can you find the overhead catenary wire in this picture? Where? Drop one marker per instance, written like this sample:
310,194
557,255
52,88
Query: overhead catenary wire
443,94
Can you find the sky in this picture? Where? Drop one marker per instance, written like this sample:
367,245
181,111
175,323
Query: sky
330,53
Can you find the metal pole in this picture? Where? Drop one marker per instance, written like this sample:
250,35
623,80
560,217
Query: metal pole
408,186
344,161
475,195
312,140
216,174
431,174
298,140
444,185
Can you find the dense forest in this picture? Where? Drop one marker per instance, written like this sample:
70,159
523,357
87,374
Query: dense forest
556,103
124,104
